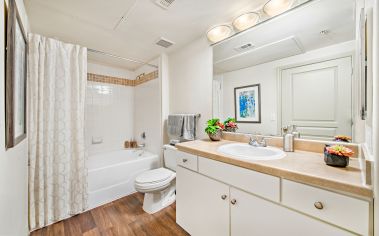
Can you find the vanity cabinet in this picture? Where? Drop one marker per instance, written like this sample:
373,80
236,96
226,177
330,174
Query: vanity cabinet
251,215
221,199
202,204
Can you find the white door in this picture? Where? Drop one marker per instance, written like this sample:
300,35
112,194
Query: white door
252,215
202,204
317,98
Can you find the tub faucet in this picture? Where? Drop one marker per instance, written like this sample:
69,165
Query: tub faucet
257,143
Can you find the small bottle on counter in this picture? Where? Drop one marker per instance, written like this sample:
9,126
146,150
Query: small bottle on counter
288,140
133,144
126,144
295,132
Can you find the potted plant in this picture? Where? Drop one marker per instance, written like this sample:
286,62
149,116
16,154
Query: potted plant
342,138
337,155
214,129
230,125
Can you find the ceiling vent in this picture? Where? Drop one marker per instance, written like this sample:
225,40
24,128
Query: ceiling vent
164,43
244,47
165,4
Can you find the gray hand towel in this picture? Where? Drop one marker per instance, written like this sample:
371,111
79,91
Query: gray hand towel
189,127
175,126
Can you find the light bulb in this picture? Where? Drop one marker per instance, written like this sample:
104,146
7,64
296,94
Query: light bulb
276,7
246,21
218,33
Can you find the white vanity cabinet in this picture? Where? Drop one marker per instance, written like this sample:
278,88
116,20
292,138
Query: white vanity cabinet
251,215
202,204
220,200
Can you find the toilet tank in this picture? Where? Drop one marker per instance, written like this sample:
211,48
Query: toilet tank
170,155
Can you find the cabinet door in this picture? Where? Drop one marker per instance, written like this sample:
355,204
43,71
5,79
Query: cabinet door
251,215
200,207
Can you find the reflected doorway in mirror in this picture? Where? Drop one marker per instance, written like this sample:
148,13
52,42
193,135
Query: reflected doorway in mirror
247,104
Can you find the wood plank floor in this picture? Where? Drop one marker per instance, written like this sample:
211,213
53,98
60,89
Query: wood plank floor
123,217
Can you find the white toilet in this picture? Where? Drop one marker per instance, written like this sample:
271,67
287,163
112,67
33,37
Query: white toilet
159,184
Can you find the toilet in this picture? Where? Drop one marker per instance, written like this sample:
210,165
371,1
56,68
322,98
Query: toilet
159,184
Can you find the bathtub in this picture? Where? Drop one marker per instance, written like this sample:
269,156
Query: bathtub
111,175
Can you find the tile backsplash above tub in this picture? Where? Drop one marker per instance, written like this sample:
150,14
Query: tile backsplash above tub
121,81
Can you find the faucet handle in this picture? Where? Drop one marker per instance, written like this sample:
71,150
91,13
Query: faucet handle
264,141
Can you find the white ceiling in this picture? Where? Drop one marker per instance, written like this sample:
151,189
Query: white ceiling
130,28
304,24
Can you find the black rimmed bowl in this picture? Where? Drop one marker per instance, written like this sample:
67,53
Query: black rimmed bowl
335,160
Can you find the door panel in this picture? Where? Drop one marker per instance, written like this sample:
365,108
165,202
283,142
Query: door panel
200,210
317,98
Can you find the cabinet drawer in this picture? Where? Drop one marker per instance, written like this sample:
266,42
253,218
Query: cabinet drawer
346,212
251,181
187,160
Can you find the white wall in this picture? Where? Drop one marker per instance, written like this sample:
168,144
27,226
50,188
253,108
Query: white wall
147,111
13,162
165,94
266,75
190,81
96,68
109,110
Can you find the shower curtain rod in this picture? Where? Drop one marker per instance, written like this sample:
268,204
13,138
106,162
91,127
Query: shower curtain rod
122,58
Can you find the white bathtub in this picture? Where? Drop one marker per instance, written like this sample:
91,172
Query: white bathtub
111,175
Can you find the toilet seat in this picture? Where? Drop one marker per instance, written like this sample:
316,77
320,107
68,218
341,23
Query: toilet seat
154,180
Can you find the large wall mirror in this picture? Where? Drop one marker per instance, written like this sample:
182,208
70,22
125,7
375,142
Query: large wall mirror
295,69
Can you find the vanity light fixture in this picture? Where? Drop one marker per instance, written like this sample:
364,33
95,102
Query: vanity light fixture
245,21
276,7
218,33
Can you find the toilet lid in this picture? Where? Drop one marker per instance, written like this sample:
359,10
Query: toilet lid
153,176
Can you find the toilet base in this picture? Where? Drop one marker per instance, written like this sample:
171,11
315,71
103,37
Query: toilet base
156,201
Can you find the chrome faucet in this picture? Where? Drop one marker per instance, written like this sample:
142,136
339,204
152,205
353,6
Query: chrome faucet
255,142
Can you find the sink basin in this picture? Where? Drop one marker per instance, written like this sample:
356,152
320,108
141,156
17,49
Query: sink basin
248,152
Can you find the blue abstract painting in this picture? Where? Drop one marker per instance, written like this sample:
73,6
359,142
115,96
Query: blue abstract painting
247,104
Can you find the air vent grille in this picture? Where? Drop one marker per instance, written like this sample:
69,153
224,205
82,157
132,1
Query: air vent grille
164,43
244,47
165,4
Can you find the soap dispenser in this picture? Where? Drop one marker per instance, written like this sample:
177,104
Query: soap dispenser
288,140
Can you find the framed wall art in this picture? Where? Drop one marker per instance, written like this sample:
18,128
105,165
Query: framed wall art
15,82
247,103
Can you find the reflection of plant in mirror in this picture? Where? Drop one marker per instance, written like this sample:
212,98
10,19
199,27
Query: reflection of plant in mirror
230,125
342,138
213,125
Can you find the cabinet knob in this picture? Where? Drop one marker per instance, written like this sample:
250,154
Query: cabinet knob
223,197
185,160
319,205
233,201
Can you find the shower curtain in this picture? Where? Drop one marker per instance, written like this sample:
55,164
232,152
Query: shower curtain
57,77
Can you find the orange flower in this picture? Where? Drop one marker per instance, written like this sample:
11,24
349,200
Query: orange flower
342,137
340,150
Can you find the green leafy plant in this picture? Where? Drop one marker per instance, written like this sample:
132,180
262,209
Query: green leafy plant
213,125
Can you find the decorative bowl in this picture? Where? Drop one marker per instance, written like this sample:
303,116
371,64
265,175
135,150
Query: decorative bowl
335,160
216,136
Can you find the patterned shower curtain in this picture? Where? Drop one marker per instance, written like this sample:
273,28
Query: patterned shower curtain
57,77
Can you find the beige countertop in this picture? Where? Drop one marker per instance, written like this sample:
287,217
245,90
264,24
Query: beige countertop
300,166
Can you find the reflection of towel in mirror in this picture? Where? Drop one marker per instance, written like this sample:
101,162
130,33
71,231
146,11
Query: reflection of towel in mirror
175,126
189,127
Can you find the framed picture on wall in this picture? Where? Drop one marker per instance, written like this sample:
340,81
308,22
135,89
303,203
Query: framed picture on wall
247,104
15,82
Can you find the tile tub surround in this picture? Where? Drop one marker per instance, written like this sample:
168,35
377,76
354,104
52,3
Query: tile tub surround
301,166
122,81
